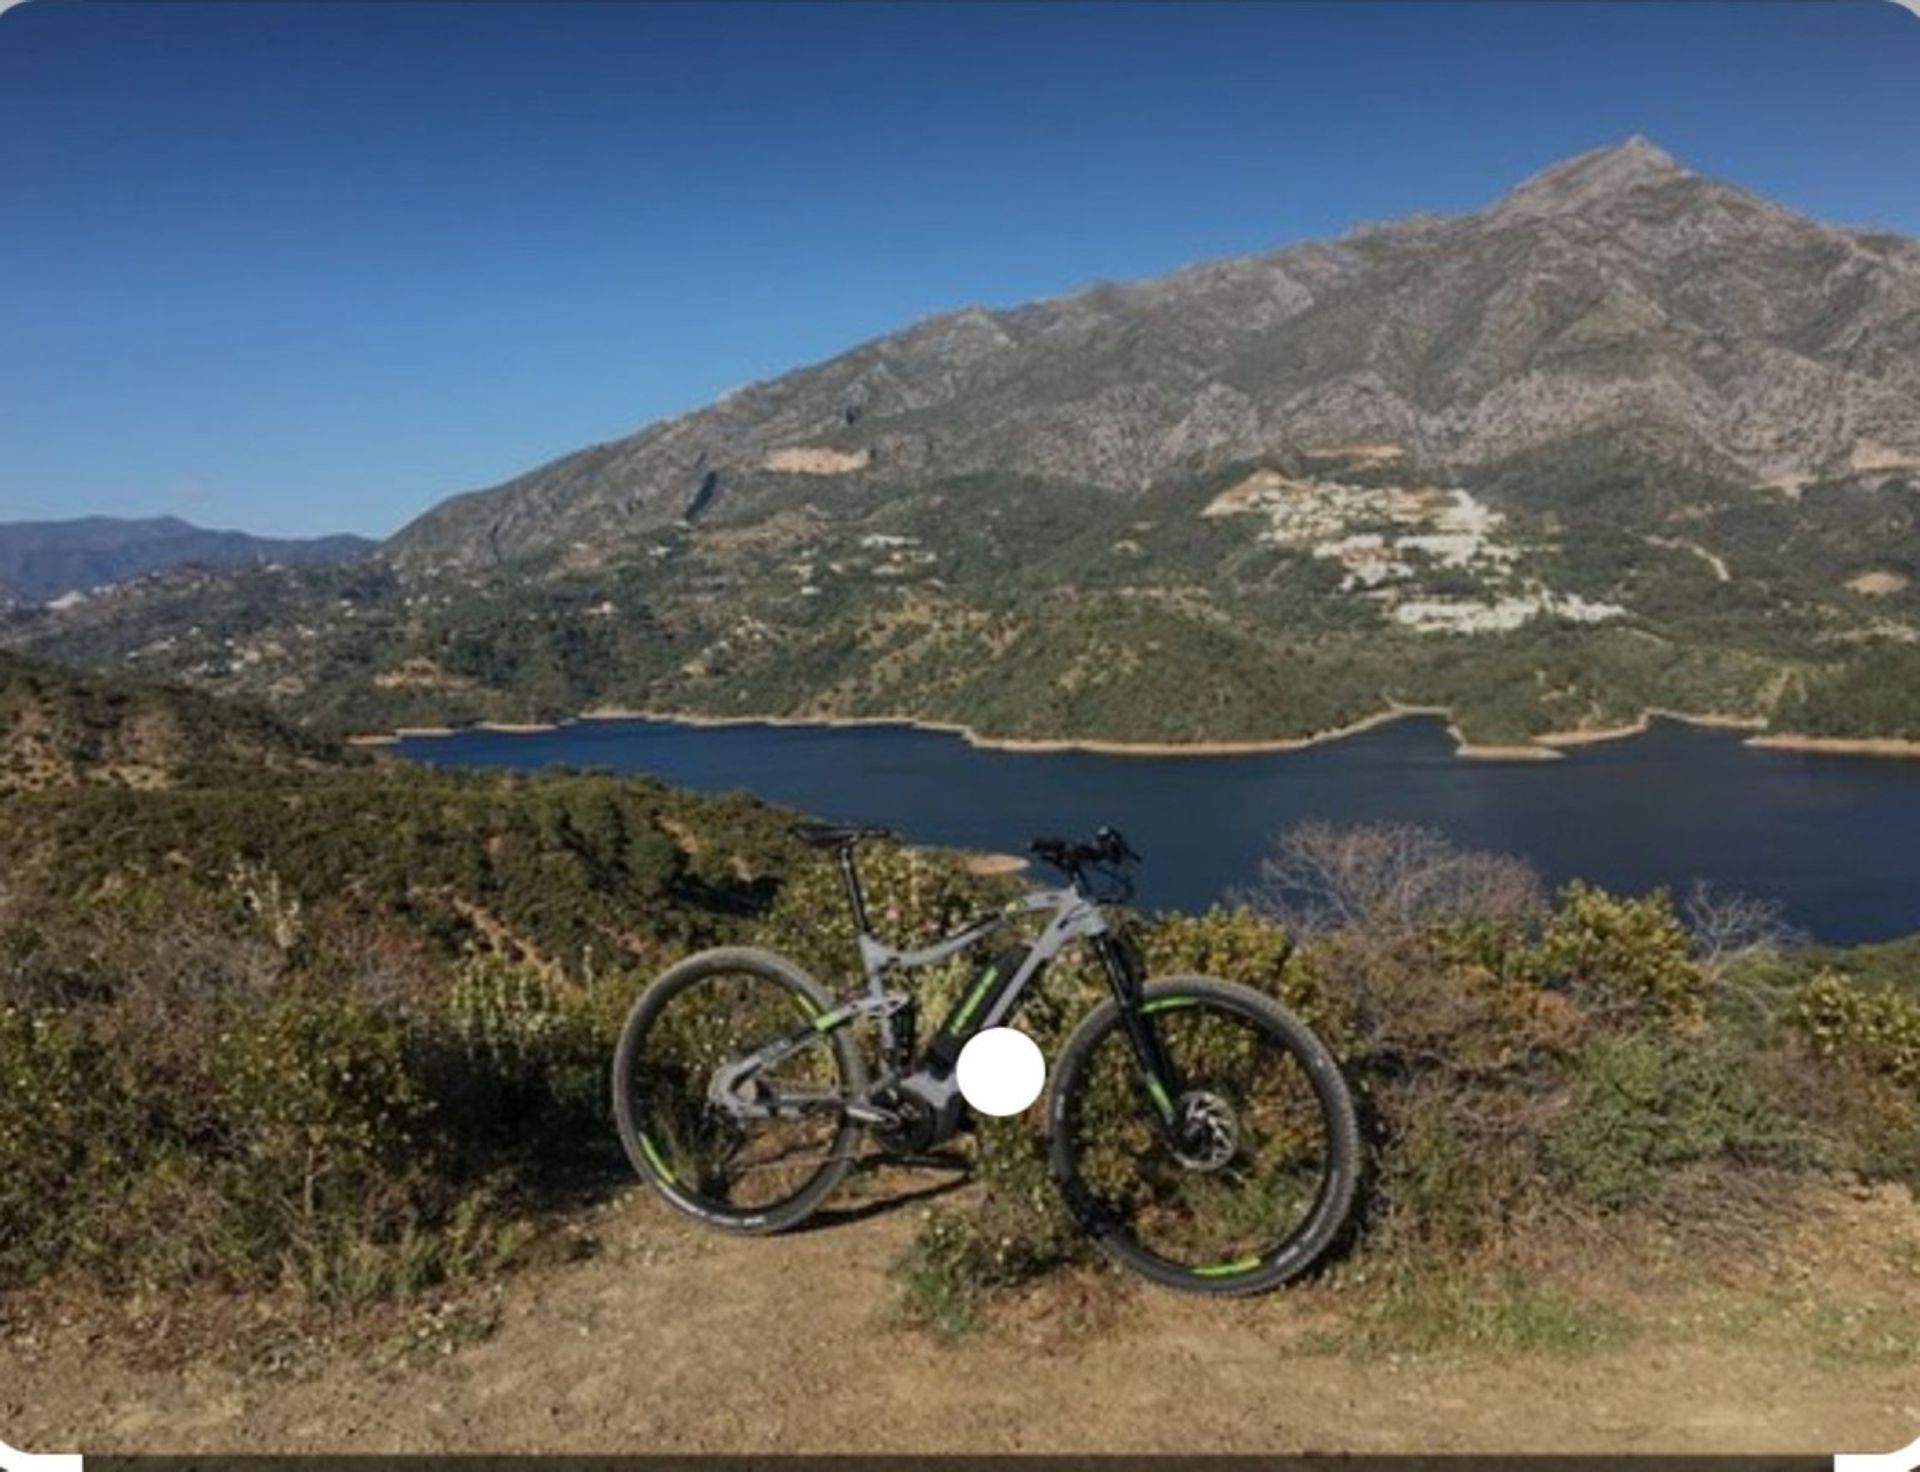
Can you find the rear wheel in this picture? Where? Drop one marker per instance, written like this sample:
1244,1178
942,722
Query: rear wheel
1261,1174
745,1175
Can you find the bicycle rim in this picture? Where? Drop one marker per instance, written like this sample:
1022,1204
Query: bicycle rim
746,1173
1264,1176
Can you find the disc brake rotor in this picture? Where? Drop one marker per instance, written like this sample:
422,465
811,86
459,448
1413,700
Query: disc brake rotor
1209,1131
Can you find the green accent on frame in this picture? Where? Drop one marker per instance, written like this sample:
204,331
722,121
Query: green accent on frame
980,988
1160,1099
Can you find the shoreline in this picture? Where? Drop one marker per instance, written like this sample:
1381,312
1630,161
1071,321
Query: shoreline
1881,746
1558,740
1546,747
1057,745
1029,745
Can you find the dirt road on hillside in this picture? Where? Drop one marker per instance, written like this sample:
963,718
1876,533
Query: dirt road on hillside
674,1339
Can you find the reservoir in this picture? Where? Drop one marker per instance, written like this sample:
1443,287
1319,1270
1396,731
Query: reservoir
1834,839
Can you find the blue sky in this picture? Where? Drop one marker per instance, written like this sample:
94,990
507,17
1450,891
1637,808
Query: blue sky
312,267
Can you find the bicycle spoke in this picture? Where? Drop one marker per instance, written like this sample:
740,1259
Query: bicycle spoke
1262,1170
736,1163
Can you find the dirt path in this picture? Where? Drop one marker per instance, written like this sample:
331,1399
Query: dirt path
673,1339
1721,572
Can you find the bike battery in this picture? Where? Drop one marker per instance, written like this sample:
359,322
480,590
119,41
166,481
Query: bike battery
975,1004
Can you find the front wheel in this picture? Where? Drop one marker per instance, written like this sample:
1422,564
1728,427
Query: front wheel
1258,1173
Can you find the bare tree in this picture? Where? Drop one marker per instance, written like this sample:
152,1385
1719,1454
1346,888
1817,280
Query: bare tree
1387,879
1729,929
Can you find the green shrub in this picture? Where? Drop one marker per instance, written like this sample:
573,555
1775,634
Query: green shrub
1862,1062
943,1271
1239,944
1624,957
320,1084
510,1015
1449,1179
321,1170
1878,1031
1646,1104
525,1077
913,897
55,1135
1018,1230
305,1137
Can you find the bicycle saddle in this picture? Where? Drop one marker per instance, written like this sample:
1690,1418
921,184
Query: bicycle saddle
835,835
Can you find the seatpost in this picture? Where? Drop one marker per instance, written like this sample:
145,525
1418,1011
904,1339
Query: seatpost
850,877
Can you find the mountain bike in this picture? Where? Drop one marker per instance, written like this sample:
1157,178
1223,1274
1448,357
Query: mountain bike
1198,1131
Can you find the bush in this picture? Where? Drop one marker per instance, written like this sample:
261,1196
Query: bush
1019,1230
1647,1104
1240,944
1514,1066
559,868
55,1136
1878,1031
522,1075
1447,1182
291,1131
913,897
346,1029
1627,958
297,1144
1868,1124
1865,1059
1458,1057
324,1125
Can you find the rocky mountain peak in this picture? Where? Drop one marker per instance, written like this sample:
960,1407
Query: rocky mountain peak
1594,177
1615,296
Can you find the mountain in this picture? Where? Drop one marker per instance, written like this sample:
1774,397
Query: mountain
1615,293
59,728
1626,438
42,560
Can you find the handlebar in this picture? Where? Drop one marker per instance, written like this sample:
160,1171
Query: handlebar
1108,847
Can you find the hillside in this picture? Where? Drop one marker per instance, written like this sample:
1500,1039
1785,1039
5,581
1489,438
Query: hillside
308,1072
44,560
1628,437
61,729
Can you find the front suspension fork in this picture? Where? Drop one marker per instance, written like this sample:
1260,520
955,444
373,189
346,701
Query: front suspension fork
1157,1076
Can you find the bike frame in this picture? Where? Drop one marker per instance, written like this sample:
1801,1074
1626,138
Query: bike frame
1072,916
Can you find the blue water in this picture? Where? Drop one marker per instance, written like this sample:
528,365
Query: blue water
1836,840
